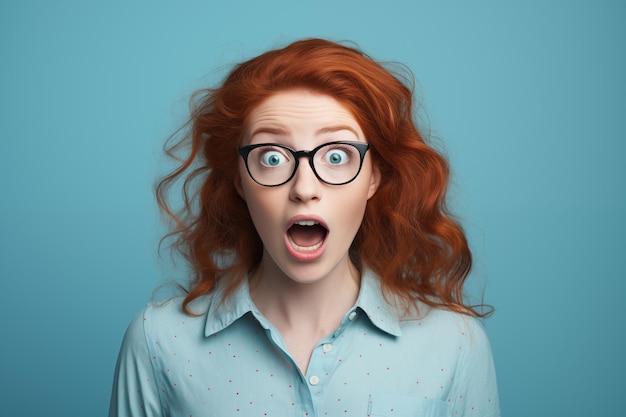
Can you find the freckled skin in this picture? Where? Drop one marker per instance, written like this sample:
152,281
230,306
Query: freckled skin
296,118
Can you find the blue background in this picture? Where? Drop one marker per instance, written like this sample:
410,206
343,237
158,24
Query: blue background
529,99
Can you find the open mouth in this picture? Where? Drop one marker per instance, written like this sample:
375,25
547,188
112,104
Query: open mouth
307,235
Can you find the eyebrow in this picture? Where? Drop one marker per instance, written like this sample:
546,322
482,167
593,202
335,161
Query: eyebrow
337,128
284,132
270,130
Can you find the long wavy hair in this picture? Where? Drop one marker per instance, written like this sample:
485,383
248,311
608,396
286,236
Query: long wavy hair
407,236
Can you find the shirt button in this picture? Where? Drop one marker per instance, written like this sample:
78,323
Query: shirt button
314,380
352,315
327,347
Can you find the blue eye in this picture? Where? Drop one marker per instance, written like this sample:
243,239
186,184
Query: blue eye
336,157
273,158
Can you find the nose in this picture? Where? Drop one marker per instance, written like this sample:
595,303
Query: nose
305,185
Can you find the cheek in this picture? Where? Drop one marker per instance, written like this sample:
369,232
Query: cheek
352,205
262,206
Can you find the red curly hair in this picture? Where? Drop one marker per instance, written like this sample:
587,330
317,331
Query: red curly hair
407,236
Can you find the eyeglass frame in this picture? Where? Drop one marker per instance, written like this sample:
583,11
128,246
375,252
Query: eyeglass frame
362,147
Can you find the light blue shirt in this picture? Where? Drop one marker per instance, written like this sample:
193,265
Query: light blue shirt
231,361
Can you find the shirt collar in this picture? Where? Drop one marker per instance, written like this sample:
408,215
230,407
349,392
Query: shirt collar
373,303
224,312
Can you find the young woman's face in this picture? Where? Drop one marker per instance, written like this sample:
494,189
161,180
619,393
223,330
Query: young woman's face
306,225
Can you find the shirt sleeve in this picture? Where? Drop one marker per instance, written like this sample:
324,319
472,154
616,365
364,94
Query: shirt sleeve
135,392
475,392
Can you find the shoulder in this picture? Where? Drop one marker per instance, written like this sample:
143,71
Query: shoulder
454,322
447,328
167,317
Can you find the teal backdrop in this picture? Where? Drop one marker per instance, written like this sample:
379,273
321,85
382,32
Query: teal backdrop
528,98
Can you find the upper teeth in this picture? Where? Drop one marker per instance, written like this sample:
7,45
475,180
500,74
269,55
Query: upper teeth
306,222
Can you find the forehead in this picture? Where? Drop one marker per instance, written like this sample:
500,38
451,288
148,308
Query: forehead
301,112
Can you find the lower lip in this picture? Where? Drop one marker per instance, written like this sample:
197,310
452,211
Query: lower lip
305,255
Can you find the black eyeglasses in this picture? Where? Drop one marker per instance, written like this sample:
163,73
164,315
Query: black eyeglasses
334,163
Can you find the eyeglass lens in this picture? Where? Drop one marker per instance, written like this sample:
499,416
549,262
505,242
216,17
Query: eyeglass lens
334,163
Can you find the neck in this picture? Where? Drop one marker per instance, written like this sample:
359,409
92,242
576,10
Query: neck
305,307
315,307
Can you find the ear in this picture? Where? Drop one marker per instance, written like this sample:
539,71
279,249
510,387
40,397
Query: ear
374,181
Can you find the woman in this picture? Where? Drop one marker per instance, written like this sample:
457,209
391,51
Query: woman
327,272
